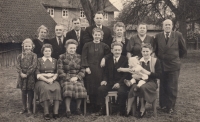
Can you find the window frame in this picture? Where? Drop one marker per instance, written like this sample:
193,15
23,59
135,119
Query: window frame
66,12
51,11
82,13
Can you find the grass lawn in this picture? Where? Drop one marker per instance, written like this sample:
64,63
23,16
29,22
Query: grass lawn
188,102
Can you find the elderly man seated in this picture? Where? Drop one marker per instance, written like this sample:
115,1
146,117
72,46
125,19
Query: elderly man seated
114,80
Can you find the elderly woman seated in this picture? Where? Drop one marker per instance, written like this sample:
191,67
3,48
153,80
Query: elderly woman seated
71,76
47,88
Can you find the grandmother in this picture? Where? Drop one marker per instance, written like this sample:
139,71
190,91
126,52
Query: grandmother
71,76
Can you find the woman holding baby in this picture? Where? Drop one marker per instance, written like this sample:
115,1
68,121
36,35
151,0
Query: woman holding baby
146,92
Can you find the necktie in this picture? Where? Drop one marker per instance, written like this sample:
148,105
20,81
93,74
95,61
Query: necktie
78,35
115,59
167,37
60,42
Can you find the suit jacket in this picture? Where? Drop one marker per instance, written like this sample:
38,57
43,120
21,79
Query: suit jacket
56,49
111,75
170,53
72,35
107,37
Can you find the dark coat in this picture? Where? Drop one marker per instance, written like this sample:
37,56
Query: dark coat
56,49
170,53
38,46
107,37
72,35
111,75
91,57
135,43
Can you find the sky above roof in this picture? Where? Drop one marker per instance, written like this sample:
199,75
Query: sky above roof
117,3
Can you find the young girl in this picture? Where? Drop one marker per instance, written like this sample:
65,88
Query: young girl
26,65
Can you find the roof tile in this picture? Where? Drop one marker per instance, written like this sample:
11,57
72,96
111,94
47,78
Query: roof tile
20,19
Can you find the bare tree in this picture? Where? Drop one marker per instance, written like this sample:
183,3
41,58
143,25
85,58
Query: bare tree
90,7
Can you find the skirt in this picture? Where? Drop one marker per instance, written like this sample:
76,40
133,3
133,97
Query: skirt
48,91
74,90
146,91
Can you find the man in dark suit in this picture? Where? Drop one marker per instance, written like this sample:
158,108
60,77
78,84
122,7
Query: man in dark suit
76,34
107,37
58,42
169,48
114,80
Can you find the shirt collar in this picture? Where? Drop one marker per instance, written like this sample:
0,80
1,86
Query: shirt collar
166,33
142,37
44,59
77,31
100,26
142,60
117,59
60,38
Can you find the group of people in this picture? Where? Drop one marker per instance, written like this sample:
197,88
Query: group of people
88,64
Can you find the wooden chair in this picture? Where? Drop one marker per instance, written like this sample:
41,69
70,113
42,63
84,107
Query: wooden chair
107,99
153,104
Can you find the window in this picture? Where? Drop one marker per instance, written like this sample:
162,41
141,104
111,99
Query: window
50,11
64,13
82,13
105,16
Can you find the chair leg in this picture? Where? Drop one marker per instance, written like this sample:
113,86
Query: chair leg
154,108
34,103
85,107
107,107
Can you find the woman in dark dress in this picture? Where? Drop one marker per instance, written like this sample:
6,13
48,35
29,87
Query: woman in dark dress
71,76
42,34
147,92
47,88
92,54
134,45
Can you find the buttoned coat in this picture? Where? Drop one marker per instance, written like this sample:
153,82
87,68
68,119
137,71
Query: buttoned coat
170,53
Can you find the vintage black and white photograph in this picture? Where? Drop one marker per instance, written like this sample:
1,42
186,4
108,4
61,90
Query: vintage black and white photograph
99,60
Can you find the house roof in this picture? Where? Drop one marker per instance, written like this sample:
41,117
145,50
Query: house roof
20,19
109,7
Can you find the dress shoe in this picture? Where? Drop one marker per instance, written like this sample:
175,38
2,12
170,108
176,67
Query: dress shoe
68,114
170,111
23,111
55,116
102,111
47,117
127,114
164,109
141,115
78,111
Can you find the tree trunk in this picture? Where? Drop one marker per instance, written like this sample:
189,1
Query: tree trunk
90,8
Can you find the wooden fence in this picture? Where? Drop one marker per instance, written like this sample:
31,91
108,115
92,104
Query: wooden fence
8,54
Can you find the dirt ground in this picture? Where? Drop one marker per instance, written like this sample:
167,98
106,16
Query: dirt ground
188,102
